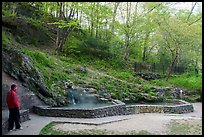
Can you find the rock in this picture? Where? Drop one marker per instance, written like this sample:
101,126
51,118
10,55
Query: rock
101,93
18,65
68,84
160,92
83,69
90,90
61,101
126,100
103,99
177,93
150,76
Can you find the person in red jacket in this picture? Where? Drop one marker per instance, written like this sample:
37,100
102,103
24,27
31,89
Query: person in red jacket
14,107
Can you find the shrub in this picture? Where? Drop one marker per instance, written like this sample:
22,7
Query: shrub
188,81
39,57
6,38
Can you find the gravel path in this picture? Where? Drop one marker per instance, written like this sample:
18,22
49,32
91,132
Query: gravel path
152,122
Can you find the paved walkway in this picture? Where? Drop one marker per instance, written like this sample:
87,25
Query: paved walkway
152,122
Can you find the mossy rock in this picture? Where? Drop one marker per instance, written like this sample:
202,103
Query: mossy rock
18,65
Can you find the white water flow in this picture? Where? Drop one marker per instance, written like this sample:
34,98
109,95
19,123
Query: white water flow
73,100
71,96
78,99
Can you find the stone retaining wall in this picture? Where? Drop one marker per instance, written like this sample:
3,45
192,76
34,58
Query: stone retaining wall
113,110
181,107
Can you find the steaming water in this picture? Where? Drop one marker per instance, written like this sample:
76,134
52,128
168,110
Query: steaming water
84,101
89,105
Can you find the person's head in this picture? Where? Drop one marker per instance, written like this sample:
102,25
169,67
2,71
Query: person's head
13,86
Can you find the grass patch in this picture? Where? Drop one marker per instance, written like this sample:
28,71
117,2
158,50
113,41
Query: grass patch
187,81
184,128
141,132
190,83
8,39
48,130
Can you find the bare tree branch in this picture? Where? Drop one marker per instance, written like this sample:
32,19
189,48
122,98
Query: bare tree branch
195,21
191,11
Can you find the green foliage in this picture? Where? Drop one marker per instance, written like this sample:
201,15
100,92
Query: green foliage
40,58
49,66
7,13
148,30
65,24
46,129
72,45
6,38
146,88
160,82
188,81
8,9
125,75
94,45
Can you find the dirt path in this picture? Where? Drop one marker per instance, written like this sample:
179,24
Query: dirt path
152,122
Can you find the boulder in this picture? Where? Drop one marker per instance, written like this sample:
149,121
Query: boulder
177,93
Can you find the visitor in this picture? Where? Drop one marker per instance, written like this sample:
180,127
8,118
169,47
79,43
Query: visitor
14,106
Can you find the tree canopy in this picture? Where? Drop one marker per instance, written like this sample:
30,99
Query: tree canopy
145,32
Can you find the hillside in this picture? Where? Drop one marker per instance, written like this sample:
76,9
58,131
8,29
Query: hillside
29,56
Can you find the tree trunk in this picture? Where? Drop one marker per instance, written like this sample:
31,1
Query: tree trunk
97,19
127,37
144,54
63,33
196,66
106,30
126,54
58,40
116,4
171,66
92,20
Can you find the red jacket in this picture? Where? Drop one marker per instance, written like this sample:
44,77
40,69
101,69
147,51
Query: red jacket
12,99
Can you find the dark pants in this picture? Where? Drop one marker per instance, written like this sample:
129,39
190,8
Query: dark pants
14,117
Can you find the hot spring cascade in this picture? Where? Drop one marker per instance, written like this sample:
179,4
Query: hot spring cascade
83,103
80,99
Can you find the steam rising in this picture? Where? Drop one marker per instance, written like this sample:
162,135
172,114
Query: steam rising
80,99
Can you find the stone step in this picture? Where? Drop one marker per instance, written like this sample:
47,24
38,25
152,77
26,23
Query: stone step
24,116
